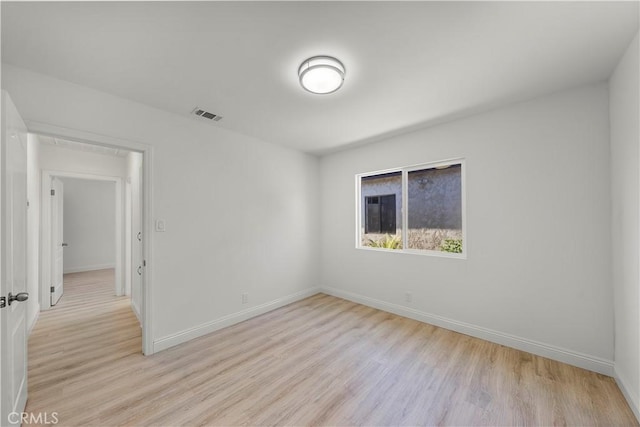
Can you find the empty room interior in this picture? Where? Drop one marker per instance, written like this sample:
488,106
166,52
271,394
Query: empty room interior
320,213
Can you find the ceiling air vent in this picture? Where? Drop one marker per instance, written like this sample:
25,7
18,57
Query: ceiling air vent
206,115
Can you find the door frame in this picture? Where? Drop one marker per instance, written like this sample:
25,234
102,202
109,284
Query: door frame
46,257
147,210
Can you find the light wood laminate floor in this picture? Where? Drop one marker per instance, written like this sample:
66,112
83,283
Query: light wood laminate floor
320,361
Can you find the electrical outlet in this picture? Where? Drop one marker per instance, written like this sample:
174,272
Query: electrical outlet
408,297
245,298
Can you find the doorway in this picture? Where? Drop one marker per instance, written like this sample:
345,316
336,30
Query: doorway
54,244
84,236
130,273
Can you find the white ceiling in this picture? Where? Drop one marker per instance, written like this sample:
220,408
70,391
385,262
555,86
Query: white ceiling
80,146
408,64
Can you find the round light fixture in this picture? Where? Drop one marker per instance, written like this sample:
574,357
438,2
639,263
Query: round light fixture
321,74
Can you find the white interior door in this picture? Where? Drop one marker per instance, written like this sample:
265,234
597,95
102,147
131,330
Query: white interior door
13,283
136,244
57,240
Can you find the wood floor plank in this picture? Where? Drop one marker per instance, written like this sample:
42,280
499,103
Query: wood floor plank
319,361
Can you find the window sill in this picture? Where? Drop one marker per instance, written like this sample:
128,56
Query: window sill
437,254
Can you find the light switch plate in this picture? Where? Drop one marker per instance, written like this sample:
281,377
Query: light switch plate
160,226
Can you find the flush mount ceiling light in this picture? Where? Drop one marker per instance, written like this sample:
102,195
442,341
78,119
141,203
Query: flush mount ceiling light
321,74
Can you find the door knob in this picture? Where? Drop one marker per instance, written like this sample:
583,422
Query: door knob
140,270
22,296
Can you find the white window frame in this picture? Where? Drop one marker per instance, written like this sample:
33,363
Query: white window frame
405,212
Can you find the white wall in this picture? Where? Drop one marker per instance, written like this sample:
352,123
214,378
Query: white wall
89,224
33,229
538,271
61,159
625,192
241,214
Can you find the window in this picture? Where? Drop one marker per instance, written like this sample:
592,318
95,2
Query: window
413,209
382,210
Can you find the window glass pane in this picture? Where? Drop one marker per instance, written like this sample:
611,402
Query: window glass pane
435,209
381,215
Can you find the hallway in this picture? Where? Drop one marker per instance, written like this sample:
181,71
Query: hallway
73,346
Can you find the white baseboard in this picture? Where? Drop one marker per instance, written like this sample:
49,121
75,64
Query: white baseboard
231,319
629,394
33,320
88,268
136,311
569,357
